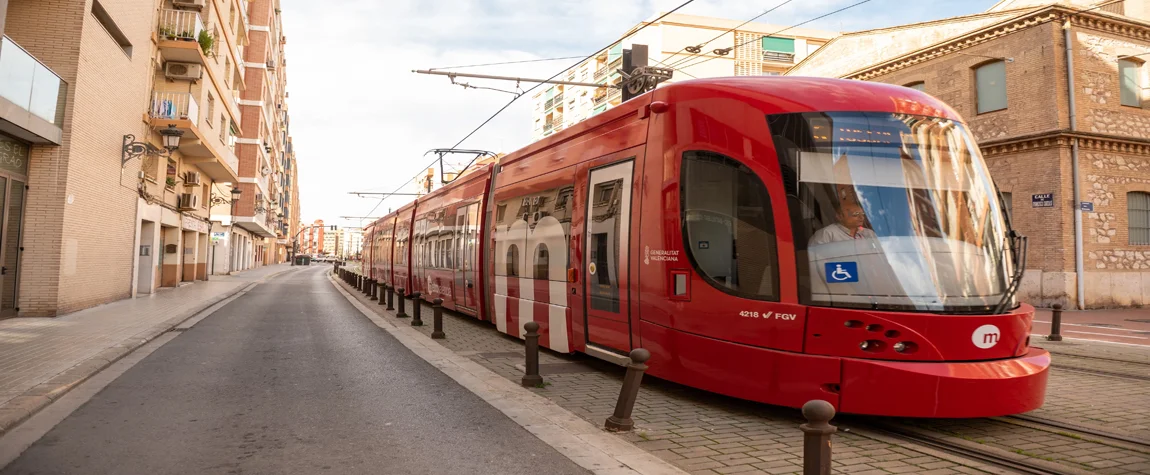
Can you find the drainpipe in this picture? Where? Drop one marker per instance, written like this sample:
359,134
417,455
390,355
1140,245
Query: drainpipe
1078,266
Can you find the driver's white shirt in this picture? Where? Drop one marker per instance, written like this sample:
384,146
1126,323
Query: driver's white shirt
837,232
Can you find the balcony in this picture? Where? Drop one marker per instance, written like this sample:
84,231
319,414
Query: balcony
32,97
778,57
179,109
179,33
614,94
549,104
600,73
599,99
616,64
174,106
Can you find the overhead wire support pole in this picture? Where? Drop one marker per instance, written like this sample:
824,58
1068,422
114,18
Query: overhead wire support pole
507,78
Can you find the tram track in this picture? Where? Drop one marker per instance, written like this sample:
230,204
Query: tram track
1086,432
971,450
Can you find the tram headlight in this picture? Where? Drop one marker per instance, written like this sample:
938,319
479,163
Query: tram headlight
899,347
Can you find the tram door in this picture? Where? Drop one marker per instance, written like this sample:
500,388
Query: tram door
607,225
466,227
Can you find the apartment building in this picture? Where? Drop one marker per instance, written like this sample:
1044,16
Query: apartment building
726,48
332,244
258,218
119,122
1042,123
312,239
352,243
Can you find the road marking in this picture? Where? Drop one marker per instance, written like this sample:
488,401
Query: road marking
1108,334
1043,336
1093,326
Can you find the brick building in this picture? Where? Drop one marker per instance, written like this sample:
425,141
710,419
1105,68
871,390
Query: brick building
1006,72
93,206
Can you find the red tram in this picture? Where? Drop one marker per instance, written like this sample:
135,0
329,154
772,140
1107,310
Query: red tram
772,239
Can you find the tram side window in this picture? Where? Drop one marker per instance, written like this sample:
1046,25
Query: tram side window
512,261
541,262
728,226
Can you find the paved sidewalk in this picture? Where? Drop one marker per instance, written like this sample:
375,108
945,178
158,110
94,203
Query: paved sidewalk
1127,325
43,358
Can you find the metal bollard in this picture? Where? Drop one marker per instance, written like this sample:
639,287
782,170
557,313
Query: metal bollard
621,419
437,320
416,305
817,437
371,289
382,292
390,297
401,313
1055,324
368,284
531,378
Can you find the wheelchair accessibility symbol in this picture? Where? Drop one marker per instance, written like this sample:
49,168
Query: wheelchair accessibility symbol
840,272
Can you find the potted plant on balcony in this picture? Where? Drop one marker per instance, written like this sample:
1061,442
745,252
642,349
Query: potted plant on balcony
170,182
167,32
206,42
187,35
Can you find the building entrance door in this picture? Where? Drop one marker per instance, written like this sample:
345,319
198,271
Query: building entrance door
11,230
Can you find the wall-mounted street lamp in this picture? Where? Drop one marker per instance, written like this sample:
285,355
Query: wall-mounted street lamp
133,149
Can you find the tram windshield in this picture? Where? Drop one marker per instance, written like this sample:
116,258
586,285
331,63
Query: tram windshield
892,211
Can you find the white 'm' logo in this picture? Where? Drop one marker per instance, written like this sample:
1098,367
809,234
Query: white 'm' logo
985,336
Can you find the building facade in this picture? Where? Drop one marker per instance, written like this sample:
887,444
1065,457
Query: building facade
1042,122
86,221
727,48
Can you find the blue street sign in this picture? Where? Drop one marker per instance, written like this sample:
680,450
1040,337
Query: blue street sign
1042,200
841,272
1087,206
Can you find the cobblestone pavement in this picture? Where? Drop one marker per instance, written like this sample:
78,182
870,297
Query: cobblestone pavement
65,350
703,432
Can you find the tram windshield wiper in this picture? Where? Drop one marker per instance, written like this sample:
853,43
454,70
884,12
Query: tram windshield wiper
1017,248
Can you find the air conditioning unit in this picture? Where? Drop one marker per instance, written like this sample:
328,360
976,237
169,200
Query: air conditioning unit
188,201
191,178
191,71
259,197
192,4
271,65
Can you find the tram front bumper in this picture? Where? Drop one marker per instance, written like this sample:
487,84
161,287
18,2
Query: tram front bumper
945,390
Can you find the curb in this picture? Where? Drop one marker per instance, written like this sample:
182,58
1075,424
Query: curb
21,407
589,446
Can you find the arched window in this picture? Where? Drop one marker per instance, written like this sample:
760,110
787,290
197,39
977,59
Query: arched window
990,86
512,261
918,86
542,259
1138,213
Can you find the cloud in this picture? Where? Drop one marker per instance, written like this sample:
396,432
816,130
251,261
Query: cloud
361,120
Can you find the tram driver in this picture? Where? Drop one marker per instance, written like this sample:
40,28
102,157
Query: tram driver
850,225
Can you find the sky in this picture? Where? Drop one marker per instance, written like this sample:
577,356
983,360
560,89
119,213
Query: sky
362,121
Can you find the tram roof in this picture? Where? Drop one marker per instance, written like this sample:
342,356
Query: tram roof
772,94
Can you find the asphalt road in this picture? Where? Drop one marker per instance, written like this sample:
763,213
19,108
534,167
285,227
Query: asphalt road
289,378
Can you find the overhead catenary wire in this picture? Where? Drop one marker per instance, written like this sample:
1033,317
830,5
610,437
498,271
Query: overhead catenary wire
848,7
720,35
532,88
504,63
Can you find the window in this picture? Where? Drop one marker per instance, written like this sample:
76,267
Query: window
109,25
728,227
918,86
227,71
990,83
1007,203
778,49
1138,212
541,262
1130,82
211,108
224,130
512,261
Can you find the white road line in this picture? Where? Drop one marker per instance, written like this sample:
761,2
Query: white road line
1039,344
1093,326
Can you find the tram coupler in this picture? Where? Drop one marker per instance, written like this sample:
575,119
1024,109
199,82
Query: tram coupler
817,437
531,377
1055,323
621,419
401,313
437,320
416,305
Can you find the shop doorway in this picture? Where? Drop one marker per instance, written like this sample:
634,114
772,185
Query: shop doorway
13,189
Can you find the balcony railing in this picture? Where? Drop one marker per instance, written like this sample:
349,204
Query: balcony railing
174,105
601,73
180,25
616,64
29,84
614,93
597,100
558,98
779,57
549,104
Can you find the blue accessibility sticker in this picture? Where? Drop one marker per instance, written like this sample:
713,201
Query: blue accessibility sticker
840,272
